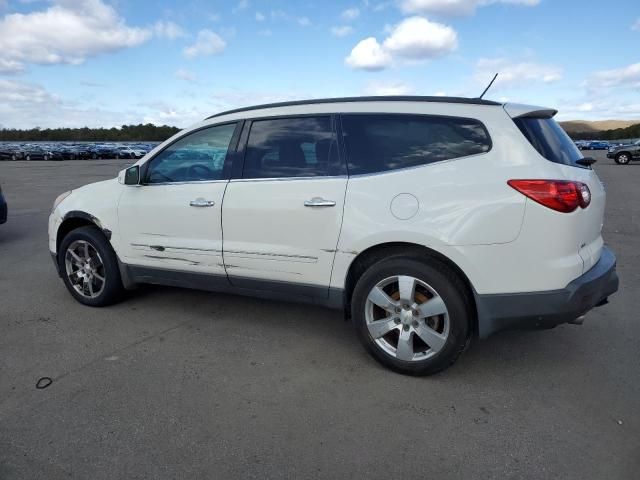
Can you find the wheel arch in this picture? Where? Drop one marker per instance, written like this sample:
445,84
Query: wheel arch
378,252
76,219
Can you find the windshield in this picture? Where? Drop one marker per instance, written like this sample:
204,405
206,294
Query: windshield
549,139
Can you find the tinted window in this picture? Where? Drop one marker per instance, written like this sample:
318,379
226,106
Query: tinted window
290,147
549,139
198,156
376,143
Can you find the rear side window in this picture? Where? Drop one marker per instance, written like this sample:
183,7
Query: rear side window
549,139
290,147
382,142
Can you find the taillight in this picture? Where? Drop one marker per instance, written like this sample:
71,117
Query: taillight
559,195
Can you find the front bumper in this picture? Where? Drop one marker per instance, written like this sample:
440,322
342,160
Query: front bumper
547,309
611,155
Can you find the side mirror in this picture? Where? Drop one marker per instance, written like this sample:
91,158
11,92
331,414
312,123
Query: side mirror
130,176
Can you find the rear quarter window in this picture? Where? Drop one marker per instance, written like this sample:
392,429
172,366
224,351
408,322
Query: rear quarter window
549,139
383,142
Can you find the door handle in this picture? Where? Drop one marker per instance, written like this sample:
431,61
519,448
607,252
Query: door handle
201,202
319,202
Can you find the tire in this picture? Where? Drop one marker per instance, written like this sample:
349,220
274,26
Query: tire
623,158
110,289
431,279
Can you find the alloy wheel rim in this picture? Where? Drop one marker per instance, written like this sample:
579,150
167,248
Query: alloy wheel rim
407,318
85,269
623,159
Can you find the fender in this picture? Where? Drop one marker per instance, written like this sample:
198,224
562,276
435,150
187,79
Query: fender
87,216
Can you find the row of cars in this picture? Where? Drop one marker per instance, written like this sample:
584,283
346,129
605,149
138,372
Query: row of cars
595,144
73,151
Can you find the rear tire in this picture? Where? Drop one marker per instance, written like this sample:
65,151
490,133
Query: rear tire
623,158
89,267
402,334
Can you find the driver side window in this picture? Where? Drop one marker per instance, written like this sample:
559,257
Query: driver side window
196,157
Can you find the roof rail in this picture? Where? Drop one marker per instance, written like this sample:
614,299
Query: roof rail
386,98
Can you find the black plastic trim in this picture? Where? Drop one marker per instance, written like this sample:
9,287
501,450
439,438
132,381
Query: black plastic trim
88,217
268,289
388,98
547,309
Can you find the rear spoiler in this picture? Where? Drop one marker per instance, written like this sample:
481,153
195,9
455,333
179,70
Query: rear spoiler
518,110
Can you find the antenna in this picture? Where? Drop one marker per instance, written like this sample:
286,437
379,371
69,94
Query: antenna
488,86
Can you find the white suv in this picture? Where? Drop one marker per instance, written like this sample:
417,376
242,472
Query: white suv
428,220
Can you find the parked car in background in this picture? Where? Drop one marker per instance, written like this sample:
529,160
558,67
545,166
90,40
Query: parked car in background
34,152
426,219
3,208
126,151
623,154
104,151
10,152
596,145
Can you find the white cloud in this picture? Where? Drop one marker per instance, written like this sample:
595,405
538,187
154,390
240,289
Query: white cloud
304,21
388,88
455,7
419,38
25,105
186,75
628,76
341,30
368,54
241,5
69,31
207,43
636,25
265,33
10,67
350,14
414,38
260,17
167,29
515,74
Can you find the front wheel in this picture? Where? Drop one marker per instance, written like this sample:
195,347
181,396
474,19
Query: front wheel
622,158
412,315
89,267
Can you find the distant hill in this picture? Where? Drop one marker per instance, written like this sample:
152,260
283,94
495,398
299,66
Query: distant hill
571,126
602,129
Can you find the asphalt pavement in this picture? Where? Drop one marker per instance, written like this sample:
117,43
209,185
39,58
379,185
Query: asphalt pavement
175,383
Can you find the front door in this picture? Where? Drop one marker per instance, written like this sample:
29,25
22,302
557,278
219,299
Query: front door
282,219
173,219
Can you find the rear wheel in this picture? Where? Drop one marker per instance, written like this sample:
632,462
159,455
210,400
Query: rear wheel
89,267
411,315
623,158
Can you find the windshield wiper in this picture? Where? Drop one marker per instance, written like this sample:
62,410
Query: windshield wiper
586,161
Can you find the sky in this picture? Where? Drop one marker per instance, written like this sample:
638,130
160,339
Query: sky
104,63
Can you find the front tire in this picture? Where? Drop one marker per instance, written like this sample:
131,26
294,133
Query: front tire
89,267
412,315
623,158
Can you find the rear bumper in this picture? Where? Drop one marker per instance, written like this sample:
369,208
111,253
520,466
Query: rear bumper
547,309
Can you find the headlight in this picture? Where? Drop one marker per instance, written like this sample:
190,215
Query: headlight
60,198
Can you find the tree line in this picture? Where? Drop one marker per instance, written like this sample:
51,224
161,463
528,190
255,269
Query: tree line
126,133
632,131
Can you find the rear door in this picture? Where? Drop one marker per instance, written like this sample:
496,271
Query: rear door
282,216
